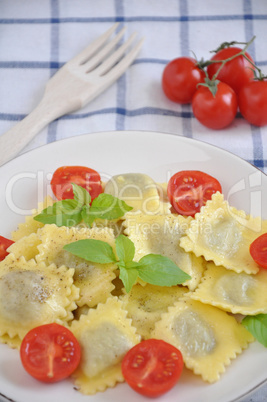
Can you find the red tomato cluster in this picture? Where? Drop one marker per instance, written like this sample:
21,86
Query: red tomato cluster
216,95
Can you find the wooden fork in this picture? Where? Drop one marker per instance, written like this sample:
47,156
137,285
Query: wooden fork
78,82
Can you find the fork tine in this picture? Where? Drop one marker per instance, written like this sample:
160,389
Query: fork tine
89,51
109,63
115,72
92,63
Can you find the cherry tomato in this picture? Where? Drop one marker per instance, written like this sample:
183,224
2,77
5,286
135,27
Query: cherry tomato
189,190
50,352
258,250
4,244
180,78
85,177
252,100
236,73
152,367
215,111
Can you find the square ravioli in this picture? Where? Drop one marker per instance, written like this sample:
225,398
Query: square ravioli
207,337
33,294
105,335
237,293
161,234
223,235
94,280
145,304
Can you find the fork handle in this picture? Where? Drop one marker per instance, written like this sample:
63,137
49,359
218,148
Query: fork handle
15,139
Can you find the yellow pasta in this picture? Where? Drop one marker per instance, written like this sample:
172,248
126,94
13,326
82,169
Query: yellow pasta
30,225
33,294
139,191
145,304
222,234
105,335
145,231
237,293
94,280
207,337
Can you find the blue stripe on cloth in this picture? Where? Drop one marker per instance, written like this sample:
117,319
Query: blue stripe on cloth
118,110
184,43
121,83
197,18
54,55
56,65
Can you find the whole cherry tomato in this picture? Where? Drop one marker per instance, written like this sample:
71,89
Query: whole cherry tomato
258,250
180,78
50,352
215,111
4,244
252,100
85,177
152,367
189,190
237,72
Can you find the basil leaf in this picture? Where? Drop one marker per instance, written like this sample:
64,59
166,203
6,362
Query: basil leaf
159,270
125,248
61,213
92,250
128,277
86,216
105,206
81,195
257,326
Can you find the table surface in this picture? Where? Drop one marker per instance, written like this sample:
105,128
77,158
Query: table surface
38,37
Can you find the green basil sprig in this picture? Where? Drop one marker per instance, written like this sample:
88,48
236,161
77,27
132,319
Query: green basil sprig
152,268
257,326
71,212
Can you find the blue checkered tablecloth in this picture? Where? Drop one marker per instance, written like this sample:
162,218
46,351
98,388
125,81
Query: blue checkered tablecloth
38,37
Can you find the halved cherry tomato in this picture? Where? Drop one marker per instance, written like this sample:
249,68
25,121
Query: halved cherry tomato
80,175
152,367
50,352
189,190
258,250
4,244
237,72
180,78
215,111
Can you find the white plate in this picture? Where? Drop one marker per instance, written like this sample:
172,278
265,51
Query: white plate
25,180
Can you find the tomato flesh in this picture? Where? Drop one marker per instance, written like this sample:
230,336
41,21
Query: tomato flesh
252,101
258,250
50,352
152,367
4,244
189,190
85,177
180,78
215,112
237,72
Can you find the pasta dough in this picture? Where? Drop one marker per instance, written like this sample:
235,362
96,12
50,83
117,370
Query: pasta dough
33,294
145,304
139,191
207,337
161,234
105,335
237,293
94,280
217,234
